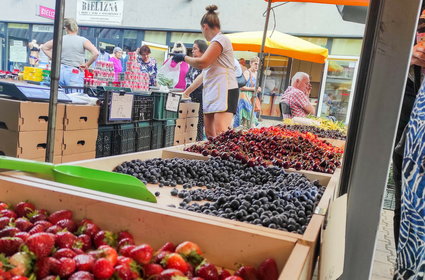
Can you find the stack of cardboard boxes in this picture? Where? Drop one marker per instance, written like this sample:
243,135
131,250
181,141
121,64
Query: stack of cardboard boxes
23,130
187,123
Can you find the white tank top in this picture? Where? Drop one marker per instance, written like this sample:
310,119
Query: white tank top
219,78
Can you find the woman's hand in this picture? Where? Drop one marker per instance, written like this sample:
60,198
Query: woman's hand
418,55
186,94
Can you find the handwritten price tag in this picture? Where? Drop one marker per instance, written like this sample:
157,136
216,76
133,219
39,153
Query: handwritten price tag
173,101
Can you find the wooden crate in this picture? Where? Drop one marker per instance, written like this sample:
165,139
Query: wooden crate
224,244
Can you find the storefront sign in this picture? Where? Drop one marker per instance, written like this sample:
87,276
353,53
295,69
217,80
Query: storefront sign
46,12
17,51
42,28
100,11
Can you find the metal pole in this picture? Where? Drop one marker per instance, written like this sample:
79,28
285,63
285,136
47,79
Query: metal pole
380,85
260,66
54,77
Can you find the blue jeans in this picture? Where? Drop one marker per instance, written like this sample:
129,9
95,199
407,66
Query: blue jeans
71,77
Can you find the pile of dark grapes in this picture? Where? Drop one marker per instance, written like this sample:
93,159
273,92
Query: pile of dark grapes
266,196
320,132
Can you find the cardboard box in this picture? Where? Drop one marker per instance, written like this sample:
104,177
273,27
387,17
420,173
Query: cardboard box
179,139
78,157
28,144
192,124
190,136
18,115
79,117
192,109
182,110
57,159
79,141
180,126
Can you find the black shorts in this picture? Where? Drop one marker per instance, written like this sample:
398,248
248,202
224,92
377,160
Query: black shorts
232,100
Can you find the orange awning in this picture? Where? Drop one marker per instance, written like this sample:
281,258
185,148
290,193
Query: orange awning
334,2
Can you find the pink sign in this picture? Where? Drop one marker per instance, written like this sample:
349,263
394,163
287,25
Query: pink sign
46,12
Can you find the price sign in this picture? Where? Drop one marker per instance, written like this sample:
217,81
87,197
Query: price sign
121,106
173,101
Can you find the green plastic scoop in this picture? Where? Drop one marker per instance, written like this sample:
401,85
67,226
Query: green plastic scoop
98,180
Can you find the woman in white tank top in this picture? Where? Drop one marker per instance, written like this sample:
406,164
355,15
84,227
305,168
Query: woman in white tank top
220,92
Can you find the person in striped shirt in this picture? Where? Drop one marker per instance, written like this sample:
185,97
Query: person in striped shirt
294,101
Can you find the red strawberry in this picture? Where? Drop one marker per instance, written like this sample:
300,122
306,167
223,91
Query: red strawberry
8,213
10,245
152,269
109,253
268,270
67,224
104,237
86,226
84,242
159,256
23,235
233,278
66,267
207,271
78,251
65,239
9,231
36,229
169,274
123,272
24,208
4,205
84,262
142,253
64,253
50,277
191,252
60,215
42,267
247,272
44,223
175,261
36,216
125,234
23,224
54,229
169,247
4,221
125,241
103,269
81,275
224,274
41,244
19,278
126,250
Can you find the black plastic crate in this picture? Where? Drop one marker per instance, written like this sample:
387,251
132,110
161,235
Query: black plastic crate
157,135
105,100
143,136
142,107
104,141
124,140
169,127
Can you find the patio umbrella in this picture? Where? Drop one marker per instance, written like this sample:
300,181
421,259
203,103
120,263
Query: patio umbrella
280,44
335,2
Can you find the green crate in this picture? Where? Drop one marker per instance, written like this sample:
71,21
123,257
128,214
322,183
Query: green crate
159,112
157,135
143,136
169,127
124,140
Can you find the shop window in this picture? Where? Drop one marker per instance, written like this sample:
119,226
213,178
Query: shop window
157,37
186,38
18,30
316,40
351,47
130,40
109,33
87,32
42,33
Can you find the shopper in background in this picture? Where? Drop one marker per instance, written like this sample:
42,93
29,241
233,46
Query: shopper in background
220,93
243,113
184,67
116,60
147,64
199,48
295,102
408,172
242,62
73,55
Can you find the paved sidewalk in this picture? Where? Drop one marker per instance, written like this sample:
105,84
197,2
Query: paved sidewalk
385,256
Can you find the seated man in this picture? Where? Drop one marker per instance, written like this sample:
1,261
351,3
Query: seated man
295,102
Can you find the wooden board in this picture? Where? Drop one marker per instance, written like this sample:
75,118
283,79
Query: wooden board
224,244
